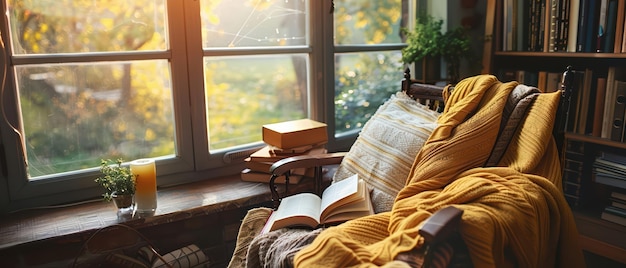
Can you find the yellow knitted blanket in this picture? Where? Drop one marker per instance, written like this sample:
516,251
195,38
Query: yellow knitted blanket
514,213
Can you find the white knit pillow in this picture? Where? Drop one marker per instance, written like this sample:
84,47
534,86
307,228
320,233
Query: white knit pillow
384,151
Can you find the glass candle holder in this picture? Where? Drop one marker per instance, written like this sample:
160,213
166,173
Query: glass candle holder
145,186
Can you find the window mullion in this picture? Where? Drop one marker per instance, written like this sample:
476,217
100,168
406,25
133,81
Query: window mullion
195,74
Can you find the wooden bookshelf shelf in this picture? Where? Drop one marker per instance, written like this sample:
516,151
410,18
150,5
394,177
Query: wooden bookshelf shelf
595,140
561,54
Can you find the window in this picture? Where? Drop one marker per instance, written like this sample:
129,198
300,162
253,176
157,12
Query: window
189,83
367,60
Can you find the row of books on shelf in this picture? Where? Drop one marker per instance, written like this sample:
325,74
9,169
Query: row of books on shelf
544,80
598,105
283,140
563,25
616,211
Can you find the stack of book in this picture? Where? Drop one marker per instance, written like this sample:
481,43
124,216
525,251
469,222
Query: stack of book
283,140
616,211
610,169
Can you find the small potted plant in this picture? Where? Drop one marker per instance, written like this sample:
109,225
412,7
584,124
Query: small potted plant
423,41
426,43
117,181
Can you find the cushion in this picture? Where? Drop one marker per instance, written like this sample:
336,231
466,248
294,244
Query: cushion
386,147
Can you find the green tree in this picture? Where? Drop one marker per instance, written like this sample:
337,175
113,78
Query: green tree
68,119
371,77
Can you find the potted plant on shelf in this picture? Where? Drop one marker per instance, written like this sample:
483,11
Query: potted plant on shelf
455,46
117,181
426,43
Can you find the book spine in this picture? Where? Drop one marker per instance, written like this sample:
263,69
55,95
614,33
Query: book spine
542,80
533,12
618,111
508,25
608,215
524,24
622,32
618,195
610,180
553,80
591,26
545,25
611,19
611,157
608,103
616,211
600,34
554,7
564,25
599,107
582,29
516,25
572,35
619,27
618,204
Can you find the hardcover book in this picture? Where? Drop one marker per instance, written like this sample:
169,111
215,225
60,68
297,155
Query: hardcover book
341,201
265,154
294,134
614,214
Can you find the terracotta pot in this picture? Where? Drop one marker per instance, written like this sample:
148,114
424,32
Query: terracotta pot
123,201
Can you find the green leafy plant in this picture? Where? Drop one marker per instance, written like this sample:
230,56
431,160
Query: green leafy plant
455,46
115,180
423,41
426,40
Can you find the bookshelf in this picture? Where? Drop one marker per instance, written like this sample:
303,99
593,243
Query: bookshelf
505,55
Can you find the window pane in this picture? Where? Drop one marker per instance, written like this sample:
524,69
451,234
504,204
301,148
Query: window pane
253,23
367,22
363,82
75,115
244,93
68,26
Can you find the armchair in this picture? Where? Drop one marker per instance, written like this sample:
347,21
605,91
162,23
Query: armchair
443,245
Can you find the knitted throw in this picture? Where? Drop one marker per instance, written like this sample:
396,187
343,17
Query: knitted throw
515,214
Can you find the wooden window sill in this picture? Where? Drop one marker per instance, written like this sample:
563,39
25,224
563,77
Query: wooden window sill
174,204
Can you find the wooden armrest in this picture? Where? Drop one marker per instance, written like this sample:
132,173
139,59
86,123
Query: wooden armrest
283,166
305,161
441,225
437,228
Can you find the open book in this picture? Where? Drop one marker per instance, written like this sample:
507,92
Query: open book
341,201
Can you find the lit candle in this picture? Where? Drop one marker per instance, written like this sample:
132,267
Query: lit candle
145,185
